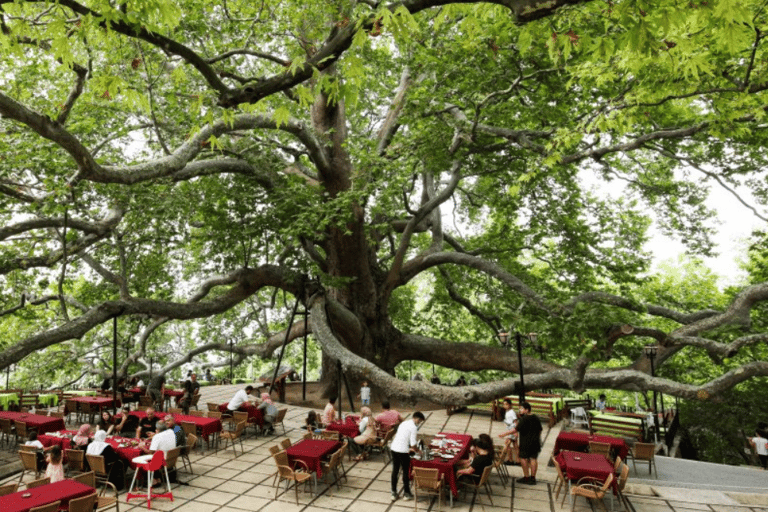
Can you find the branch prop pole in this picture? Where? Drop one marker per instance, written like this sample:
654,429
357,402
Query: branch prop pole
285,342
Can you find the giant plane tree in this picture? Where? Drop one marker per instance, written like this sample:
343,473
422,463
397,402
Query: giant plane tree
415,174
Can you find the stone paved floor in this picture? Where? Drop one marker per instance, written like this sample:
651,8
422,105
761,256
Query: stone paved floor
224,483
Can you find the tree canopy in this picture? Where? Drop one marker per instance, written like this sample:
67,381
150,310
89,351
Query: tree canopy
416,174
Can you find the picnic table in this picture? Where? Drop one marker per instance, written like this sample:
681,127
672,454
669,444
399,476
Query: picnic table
35,421
312,452
576,441
445,466
27,499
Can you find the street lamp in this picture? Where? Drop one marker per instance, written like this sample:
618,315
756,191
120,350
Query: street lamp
650,353
504,340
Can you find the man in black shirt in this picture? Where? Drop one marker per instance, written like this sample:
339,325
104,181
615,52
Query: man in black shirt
482,459
191,388
156,389
529,442
147,424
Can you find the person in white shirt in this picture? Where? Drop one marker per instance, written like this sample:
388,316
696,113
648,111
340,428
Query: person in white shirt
760,444
240,399
329,413
600,403
402,444
510,421
163,440
365,394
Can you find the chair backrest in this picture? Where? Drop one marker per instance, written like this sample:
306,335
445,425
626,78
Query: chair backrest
333,462
56,414
146,401
97,464
486,474
84,504
390,434
330,434
6,426
281,458
51,507
195,398
28,460
191,442
213,414
28,448
240,428
213,407
174,410
21,428
199,414
239,416
88,478
558,468
85,408
8,488
596,447
274,449
426,478
307,435
157,461
75,459
172,456
280,415
645,451
285,443
623,477
343,449
37,483
606,485
189,427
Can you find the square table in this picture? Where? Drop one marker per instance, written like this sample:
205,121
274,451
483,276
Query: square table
206,426
99,402
64,490
446,467
6,399
576,441
48,399
347,427
255,415
577,465
38,422
312,452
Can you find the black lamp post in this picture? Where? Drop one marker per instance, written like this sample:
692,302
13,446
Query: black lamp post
504,339
650,353
231,377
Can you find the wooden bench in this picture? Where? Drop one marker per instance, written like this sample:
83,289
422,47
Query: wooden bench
571,403
541,405
627,425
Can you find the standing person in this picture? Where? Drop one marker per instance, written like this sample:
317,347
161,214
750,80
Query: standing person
529,439
208,375
156,390
55,469
329,413
191,388
600,404
510,421
760,444
365,394
402,445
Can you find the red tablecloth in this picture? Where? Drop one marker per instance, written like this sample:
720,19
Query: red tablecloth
35,421
64,490
255,414
347,427
588,464
126,453
312,452
101,402
446,467
579,442
65,442
206,426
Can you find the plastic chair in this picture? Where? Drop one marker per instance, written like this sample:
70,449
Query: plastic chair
427,481
579,417
156,463
590,490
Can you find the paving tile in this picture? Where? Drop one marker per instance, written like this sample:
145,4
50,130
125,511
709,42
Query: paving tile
235,487
206,482
248,503
217,497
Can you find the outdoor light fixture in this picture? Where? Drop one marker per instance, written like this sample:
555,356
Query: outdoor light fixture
504,340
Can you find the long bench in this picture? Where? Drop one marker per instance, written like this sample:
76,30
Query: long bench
543,405
628,425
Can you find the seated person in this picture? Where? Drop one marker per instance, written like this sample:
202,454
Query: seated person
329,413
367,429
106,422
127,424
473,469
388,417
241,399
311,422
33,441
83,437
115,466
270,413
164,440
146,426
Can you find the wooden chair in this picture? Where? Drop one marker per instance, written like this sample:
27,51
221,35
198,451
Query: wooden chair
623,477
8,431
8,488
560,483
75,461
330,435
99,467
279,419
191,442
483,483
172,457
286,443
84,504
601,448
21,431
213,414
195,401
644,452
590,490
236,435
190,428
285,472
500,456
236,418
88,478
37,483
382,445
102,502
331,469
199,414
427,481
28,464
51,507
174,410
274,450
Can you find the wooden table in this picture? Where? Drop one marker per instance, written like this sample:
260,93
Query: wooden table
580,442
347,427
205,426
35,421
255,415
312,452
446,466
577,465
64,490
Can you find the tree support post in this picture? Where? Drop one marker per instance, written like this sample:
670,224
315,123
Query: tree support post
114,365
285,342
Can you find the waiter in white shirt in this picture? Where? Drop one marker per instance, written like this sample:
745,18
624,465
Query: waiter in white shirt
402,444
241,398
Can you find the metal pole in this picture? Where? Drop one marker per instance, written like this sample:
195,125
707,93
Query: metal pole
231,377
304,371
151,359
519,340
655,405
114,365
338,386
285,342
7,375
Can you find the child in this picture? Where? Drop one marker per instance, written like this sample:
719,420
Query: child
760,445
55,469
365,394
311,422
